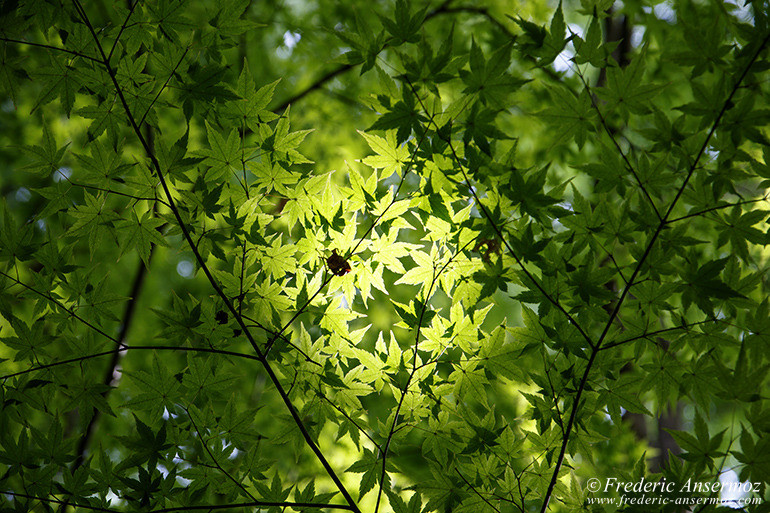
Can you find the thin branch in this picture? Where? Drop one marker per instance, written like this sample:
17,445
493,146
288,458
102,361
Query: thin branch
476,491
125,348
282,337
112,191
211,507
505,462
125,326
241,292
56,364
49,47
483,209
555,397
128,317
349,419
163,87
210,350
616,144
483,11
278,334
655,333
215,285
122,28
329,75
213,458
61,305
317,84
612,259
663,222
442,9
718,207
391,433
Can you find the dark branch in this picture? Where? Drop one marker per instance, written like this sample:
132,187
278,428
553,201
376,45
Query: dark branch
49,47
718,207
663,222
125,348
122,28
615,143
442,9
163,87
215,285
212,507
128,317
61,305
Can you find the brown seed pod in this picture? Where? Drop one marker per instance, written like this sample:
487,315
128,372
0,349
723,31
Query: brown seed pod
337,264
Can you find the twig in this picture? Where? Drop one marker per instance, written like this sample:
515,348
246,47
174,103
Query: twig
211,455
128,317
476,491
215,285
122,28
125,348
49,47
718,207
616,144
163,87
61,305
418,328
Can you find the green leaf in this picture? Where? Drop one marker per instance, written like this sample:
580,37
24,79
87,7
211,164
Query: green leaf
60,81
571,115
140,234
626,90
48,156
589,48
391,157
